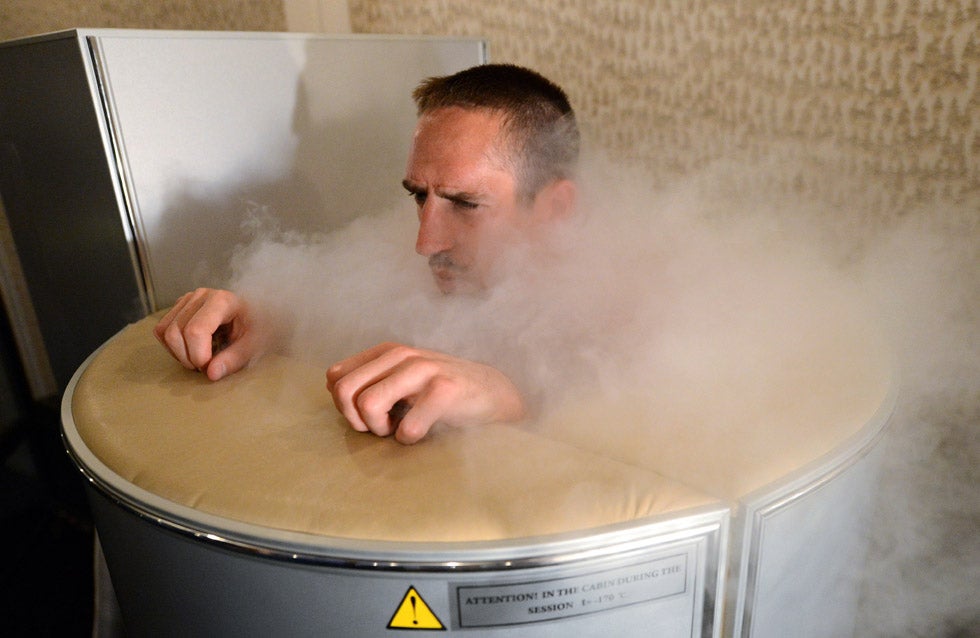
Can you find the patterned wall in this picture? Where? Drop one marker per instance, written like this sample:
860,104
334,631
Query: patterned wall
19,18
883,89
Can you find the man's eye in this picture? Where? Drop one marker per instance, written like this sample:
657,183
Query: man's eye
463,204
418,197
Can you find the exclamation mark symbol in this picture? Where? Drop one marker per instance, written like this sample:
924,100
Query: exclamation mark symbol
412,611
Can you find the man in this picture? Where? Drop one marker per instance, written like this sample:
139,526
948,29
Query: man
491,162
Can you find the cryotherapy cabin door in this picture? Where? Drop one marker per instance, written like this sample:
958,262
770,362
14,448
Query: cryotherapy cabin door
218,135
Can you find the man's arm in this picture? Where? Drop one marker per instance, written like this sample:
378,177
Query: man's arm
435,387
189,330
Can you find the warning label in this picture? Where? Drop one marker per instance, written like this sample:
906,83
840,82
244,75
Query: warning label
414,613
523,603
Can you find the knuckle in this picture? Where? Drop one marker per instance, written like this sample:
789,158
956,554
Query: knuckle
401,351
223,296
197,330
412,430
443,385
193,297
369,402
172,334
425,367
334,374
342,388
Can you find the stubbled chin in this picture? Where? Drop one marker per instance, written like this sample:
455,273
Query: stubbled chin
446,287
445,281
452,283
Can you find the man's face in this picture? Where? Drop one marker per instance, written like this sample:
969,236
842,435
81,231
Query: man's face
466,195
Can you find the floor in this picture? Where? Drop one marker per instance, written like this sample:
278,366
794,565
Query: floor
45,533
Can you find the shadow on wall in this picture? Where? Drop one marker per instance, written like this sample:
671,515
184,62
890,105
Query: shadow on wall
303,200
346,162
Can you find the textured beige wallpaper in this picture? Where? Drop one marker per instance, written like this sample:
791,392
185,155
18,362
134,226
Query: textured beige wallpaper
20,18
881,89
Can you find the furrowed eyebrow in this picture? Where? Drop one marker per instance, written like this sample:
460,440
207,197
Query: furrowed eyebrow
459,197
453,196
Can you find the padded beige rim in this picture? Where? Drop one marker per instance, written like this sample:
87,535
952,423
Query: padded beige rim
266,447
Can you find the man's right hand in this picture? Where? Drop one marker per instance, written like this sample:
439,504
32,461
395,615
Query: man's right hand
421,387
191,327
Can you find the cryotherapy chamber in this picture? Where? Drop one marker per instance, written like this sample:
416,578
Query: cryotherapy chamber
248,507
251,508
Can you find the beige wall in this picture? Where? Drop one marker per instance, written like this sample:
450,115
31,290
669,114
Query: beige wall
891,85
883,90
20,18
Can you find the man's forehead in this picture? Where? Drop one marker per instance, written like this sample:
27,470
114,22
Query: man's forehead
461,129
457,150
462,116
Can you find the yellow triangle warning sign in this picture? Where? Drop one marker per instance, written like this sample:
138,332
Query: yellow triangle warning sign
414,613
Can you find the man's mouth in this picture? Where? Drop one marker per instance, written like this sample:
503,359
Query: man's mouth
445,271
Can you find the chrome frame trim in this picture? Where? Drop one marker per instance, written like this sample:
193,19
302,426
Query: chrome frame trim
136,234
715,574
767,501
336,552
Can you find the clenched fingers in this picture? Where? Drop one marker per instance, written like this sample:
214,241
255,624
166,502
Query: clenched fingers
188,330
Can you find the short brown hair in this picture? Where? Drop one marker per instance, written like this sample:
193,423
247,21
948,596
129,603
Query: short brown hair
539,123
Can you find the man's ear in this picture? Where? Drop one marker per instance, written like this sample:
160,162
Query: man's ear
557,200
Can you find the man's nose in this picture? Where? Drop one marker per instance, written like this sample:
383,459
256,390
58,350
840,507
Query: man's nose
435,233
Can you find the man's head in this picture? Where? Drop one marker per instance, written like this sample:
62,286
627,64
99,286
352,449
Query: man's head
540,136
493,157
